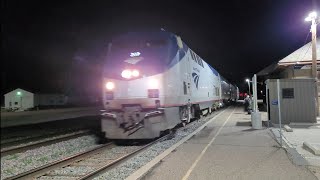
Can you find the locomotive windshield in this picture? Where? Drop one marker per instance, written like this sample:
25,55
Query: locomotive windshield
149,52
118,46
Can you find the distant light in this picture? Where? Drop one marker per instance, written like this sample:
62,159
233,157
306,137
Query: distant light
247,80
135,54
110,85
19,93
261,92
312,15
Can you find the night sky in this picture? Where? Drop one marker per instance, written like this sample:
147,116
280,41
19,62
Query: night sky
62,45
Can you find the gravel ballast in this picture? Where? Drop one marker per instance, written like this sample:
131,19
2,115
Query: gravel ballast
20,162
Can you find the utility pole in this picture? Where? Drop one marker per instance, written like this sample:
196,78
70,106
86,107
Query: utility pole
314,48
313,18
248,81
314,61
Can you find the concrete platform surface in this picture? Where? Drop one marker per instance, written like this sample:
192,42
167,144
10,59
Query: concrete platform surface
228,148
314,148
294,141
9,119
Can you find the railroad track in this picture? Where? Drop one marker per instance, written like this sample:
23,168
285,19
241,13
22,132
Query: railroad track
85,165
16,140
35,142
89,164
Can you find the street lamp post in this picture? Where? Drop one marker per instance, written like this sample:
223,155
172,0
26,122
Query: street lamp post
248,81
313,18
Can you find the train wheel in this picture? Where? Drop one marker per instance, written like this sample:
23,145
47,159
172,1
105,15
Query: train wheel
197,111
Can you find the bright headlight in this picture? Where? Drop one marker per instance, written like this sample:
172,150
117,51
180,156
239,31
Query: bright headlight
135,73
110,85
126,74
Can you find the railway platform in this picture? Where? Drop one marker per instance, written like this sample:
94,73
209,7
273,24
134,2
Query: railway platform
227,148
9,119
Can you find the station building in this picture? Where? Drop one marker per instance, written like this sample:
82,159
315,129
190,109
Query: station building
297,93
294,66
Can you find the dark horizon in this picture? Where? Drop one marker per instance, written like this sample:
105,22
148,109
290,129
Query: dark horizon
52,45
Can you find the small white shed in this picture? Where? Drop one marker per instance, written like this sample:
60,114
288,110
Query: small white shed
19,99
22,99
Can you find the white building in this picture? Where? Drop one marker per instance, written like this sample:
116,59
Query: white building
22,99
19,99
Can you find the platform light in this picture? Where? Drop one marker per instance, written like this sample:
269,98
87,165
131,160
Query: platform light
312,15
110,85
248,81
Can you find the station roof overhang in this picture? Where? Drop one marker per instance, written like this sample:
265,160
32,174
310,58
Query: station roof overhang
301,56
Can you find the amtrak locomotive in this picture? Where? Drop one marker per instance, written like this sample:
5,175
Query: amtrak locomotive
153,82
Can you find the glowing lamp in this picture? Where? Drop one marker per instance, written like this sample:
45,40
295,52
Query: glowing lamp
135,73
110,85
126,74
312,15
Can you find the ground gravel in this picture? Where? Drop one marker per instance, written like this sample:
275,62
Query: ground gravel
39,141
20,162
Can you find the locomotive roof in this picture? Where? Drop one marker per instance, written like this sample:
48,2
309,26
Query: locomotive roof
143,34
157,34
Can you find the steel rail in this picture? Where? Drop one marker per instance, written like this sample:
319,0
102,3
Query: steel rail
34,145
59,163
